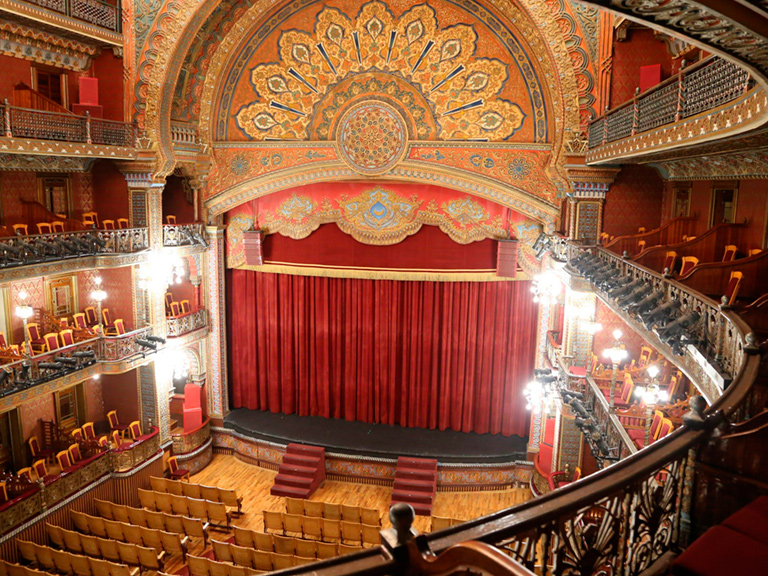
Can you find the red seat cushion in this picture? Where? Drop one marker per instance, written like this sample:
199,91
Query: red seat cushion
578,371
722,551
752,520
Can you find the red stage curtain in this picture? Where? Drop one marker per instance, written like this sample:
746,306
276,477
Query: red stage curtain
421,354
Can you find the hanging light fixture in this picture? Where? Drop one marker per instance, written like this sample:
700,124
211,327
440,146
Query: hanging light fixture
546,287
651,396
616,354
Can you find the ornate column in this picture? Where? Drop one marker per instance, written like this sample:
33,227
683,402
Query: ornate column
154,389
589,185
567,449
579,317
218,404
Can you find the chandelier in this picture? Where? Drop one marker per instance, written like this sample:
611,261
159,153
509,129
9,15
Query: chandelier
546,287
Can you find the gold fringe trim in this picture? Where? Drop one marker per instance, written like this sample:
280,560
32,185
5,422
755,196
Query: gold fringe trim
383,273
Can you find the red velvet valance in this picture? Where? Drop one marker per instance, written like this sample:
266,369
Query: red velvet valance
420,354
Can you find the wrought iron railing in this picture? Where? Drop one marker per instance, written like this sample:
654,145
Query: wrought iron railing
186,323
103,14
46,125
703,86
553,348
37,248
183,235
118,348
130,455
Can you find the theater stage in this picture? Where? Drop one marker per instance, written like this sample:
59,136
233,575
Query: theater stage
376,440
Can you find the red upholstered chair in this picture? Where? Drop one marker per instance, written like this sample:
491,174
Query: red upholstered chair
641,230
117,440
67,337
170,219
40,469
88,431
669,261
734,282
80,321
134,429
3,492
35,339
77,434
3,341
91,219
185,307
37,450
20,230
103,441
58,226
730,253
193,411
90,316
65,461
689,263
638,436
106,317
122,223
74,453
44,228
754,252
108,224
640,246
175,472
175,309
52,341
562,478
25,473
117,329
114,423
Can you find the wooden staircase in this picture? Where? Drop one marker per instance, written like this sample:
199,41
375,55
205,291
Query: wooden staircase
301,473
416,483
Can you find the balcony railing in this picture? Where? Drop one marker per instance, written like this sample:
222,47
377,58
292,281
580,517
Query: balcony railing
183,235
703,86
34,249
96,12
46,125
187,442
184,135
118,348
186,323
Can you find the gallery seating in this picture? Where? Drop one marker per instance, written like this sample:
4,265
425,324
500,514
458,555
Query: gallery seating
319,528
226,496
192,527
215,513
63,562
160,540
331,511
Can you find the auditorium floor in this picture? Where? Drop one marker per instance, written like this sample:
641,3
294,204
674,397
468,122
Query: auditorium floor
253,484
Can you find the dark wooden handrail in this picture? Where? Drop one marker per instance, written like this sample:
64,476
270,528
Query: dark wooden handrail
712,278
669,233
709,247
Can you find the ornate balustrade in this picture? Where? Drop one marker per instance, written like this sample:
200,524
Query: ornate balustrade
184,134
608,424
41,368
553,348
118,348
130,455
46,125
97,12
186,323
187,442
711,86
183,235
37,248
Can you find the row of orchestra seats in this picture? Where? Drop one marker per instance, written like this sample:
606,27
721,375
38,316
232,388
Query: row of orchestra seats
267,542
215,513
283,546
63,562
331,511
104,548
160,540
200,566
174,523
319,528
226,496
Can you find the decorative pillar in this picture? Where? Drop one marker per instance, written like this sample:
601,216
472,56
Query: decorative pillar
154,403
589,186
218,403
580,311
567,449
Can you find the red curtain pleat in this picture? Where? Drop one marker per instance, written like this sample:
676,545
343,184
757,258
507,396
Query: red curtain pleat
421,354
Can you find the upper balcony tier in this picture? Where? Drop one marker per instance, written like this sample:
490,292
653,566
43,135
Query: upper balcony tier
35,131
709,100
97,20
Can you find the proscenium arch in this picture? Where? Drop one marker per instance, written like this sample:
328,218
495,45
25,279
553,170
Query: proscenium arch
264,185
181,21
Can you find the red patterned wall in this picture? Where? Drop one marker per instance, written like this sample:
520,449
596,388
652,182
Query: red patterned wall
94,404
14,187
35,410
15,70
120,392
175,201
640,49
634,200
35,290
109,70
110,191
117,284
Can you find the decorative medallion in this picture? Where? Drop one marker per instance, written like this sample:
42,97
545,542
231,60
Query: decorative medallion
372,137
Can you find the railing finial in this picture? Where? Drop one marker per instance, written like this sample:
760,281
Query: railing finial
695,418
402,515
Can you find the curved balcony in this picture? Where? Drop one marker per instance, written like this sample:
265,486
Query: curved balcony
708,100
184,235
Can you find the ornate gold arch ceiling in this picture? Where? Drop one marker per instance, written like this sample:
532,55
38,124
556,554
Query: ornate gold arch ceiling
480,103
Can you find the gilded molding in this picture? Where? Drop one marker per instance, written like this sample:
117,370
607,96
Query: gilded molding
44,47
749,165
12,146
